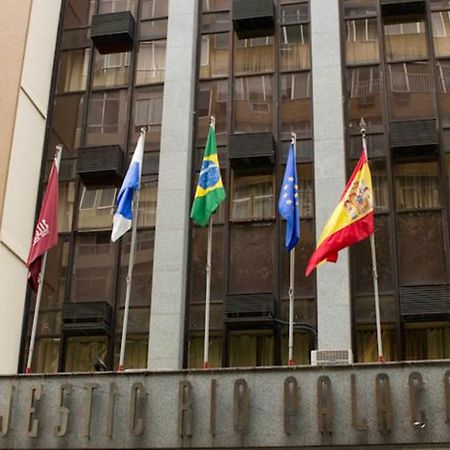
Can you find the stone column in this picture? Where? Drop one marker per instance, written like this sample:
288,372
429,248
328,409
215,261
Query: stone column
174,197
333,287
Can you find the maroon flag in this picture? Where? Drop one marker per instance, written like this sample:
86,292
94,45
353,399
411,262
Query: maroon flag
46,231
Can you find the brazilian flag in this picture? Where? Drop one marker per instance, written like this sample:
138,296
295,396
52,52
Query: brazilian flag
210,192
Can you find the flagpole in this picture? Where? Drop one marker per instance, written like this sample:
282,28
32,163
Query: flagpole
208,283
40,285
291,284
130,272
374,263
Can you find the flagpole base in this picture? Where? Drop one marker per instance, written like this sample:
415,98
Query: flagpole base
121,368
28,370
381,359
205,365
291,362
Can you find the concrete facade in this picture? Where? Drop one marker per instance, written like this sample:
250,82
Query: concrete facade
333,285
174,190
29,33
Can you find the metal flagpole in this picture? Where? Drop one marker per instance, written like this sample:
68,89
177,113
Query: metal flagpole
374,262
208,284
40,284
130,273
291,284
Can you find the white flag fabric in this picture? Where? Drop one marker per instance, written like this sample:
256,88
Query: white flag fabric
124,214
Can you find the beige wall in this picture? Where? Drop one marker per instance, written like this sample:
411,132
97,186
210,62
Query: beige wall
30,28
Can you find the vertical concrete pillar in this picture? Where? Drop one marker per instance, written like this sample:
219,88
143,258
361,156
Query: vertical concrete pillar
333,287
172,215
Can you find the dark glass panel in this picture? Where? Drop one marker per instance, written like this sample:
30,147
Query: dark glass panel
252,196
443,71
72,39
73,71
138,320
96,208
141,289
294,13
303,344
360,8
215,5
66,123
83,352
111,70
195,351
93,268
295,92
214,56
215,22
253,56
107,118
362,262
304,286
295,48
151,66
147,112
410,87
362,44
66,201
153,28
152,9
405,39
364,309
251,348
197,316
417,185
253,104
364,89
251,258
111,6
78,13
421,248
427,340
212,100
136,350
198,263
441,33
366,344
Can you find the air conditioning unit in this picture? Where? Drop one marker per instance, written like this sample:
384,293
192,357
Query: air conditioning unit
331,357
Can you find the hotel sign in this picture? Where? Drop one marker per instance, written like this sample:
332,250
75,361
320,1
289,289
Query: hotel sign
276,407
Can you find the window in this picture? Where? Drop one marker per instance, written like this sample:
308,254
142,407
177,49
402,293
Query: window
251,348
362,41
214,55
253,56
111,6
111,70
428,340
73,70
249,96
252,197
154,8
294,47
96,208
405,40
151,62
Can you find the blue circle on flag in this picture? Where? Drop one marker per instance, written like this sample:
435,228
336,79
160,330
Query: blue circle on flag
209,175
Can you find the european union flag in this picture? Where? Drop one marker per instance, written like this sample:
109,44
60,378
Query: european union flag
288,205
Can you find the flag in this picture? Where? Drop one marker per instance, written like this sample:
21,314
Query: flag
351,221
46,232
210,192
288,202
124,215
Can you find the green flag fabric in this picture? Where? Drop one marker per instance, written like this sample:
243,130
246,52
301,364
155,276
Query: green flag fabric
210,192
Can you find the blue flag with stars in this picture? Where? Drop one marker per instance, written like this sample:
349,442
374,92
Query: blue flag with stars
288,205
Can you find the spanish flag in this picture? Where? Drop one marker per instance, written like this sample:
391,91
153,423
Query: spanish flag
351,221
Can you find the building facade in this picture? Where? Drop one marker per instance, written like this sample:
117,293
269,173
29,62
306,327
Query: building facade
99,71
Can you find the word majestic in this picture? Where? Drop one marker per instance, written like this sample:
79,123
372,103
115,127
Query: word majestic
132,408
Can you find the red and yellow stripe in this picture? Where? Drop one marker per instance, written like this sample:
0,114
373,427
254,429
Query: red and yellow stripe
351,221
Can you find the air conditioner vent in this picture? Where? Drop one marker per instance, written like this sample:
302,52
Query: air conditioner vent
331,357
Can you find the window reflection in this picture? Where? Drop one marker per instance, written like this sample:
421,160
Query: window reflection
253,55
73,71
151,62
252,197
253,104
111,70
214,55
